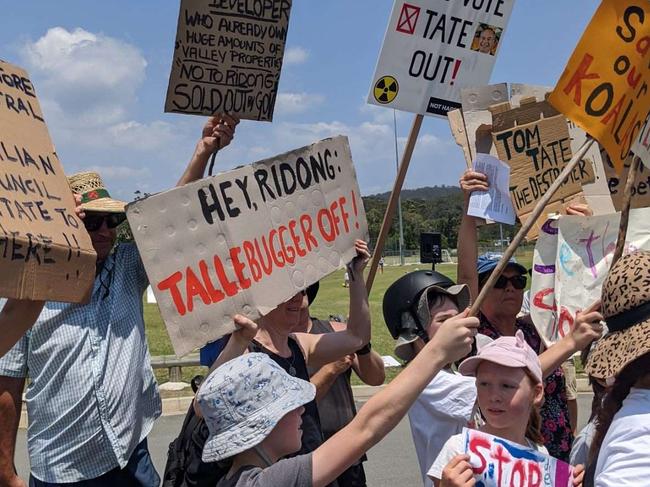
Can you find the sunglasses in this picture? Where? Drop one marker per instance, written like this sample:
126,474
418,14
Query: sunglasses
95,222
518,282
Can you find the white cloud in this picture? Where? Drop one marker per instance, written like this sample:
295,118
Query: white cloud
292,103
295,55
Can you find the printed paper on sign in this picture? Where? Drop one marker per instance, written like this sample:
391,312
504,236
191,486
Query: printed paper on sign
228,57
500,463
495,203
45,251
433,48
604,87
248,239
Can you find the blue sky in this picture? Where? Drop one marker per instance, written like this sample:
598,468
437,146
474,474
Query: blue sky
101,71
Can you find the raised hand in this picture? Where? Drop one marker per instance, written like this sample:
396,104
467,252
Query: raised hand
472,181
454,337
219,131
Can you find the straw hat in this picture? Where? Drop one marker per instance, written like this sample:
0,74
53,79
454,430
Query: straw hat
626,309
94,195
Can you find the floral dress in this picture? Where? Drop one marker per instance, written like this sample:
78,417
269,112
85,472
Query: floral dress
556,428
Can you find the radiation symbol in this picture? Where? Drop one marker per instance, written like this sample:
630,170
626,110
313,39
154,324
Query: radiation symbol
386,89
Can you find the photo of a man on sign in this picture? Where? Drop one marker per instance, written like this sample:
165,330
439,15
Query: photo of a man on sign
486,39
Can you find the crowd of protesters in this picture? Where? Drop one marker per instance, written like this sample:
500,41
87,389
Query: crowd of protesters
276,407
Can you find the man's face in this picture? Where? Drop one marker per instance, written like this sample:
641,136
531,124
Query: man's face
486,41
102,238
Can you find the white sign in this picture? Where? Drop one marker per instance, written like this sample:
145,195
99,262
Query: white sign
248,239
433,48
642,146
493,204
572,257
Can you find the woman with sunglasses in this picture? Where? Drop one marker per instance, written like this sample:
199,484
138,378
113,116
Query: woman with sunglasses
498,317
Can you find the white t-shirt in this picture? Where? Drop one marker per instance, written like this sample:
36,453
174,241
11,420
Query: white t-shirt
442,410
624,458
453,447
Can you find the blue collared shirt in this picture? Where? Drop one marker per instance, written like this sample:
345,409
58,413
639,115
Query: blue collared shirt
93,396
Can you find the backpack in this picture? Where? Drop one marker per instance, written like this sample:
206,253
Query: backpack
184,466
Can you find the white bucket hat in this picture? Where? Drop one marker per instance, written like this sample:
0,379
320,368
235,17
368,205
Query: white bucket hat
243,400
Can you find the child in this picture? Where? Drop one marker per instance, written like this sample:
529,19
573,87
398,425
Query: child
509,386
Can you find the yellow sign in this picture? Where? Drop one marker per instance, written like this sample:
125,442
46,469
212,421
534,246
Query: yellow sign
386,89
605,87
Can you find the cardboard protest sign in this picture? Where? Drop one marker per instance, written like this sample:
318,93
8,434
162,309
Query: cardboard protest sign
433,48
534,140
45,251
228,57
572,257
501,463
641,147
616,183
248,239
604,87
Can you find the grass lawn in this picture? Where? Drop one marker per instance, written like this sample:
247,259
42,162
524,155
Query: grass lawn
332,299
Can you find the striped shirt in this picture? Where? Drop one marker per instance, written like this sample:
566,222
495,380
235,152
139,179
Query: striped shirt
92,397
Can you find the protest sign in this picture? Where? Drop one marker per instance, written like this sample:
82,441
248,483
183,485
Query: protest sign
616,183
45,251
534,140
493,204
248,239
604,87
572,257
228,57
433,48
641,147
501,463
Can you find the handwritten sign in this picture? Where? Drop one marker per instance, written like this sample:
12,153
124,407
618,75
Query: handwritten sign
228,57
45,251
248,239
616,183
537,150
604,88
571,259
433,48
502,463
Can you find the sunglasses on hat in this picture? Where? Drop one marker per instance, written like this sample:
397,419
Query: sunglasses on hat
95,222
518,282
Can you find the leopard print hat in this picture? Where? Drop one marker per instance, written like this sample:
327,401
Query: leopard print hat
626,309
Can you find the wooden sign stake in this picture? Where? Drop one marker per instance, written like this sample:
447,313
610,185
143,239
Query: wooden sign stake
537,211
625,211
394,198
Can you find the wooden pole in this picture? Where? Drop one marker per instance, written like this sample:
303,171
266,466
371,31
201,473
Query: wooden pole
537,211
392,202
625,211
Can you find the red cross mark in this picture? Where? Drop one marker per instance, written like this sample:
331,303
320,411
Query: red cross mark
408,18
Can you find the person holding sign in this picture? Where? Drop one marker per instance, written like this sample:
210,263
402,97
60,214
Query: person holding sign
510,391
269,403
619,452
498,316
92,399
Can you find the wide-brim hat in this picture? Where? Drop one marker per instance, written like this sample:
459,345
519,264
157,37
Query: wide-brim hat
625,305
94,195
243,400
458,293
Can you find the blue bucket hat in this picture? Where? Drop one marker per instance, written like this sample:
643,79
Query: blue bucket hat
487,263
243,400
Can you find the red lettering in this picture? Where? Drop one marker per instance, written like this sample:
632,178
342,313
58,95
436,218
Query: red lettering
643,45
534,475
476,442
229,287
306,228
565,317
501,456
171,284
215,294
238,267
287,250
329,237
295,238
267,266
575,83
274,253
614,112
538,299
519,470
344,214
253,264
193,287
334,217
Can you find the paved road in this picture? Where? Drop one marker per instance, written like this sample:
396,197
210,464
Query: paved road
392,462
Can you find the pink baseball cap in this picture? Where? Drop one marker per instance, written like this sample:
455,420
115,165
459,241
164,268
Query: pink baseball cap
506,351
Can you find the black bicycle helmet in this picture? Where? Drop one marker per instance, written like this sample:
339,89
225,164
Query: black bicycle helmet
404,293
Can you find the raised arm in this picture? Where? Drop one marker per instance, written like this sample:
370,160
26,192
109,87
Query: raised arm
467,240
238,341
329,347
367,363
217,133
10,404
16,317
384,410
